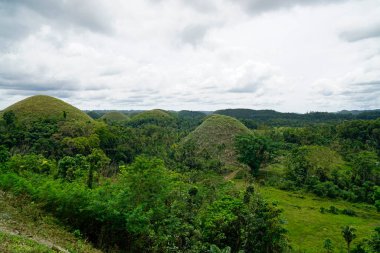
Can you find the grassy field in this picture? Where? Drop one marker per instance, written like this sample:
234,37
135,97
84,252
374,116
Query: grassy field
308,227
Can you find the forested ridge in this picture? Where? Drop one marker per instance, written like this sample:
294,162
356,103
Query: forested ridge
165,181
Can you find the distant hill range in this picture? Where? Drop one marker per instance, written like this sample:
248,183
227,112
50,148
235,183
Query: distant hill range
253,118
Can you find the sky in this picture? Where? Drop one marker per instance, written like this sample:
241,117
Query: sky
286,55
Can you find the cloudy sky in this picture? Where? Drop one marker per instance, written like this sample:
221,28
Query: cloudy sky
287,55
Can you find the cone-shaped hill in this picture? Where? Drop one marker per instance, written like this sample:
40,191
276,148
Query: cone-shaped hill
114,117
46,107
156,117
216,136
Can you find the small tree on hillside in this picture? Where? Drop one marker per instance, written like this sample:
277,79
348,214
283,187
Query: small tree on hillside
252,150
9,117
349,235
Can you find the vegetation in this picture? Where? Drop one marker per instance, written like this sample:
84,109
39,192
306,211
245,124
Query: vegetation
257,118
186,182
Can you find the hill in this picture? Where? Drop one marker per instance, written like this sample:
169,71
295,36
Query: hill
156,117
253,118
46,107
114,117
216,136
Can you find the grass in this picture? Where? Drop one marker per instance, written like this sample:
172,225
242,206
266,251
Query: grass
308,227
18,244
40,106
217,135
24,227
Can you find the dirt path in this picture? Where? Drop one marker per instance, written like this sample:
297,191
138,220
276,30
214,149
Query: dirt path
232,175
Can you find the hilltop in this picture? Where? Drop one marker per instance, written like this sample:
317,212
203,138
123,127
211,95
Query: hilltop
114,117
216,135
155,116
46,107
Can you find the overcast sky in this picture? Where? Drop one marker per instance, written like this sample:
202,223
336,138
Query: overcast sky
287,55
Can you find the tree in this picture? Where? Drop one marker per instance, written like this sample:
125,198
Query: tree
9,117
216,249
97,160
365,164
328,246
71,168
374,242
4,154
349,235
252,150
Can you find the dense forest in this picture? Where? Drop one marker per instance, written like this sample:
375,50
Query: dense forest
231,181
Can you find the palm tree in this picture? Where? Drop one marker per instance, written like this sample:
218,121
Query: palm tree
348,233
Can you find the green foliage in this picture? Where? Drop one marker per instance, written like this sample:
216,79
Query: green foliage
366,167
252,150
374,242
328,245
349,235
307,162
71,168
4,154
9,117
31,163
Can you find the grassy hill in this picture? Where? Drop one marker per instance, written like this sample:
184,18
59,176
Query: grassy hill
114,117
156,116
216,135
46,107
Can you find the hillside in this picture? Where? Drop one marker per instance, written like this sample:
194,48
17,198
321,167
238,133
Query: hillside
216,136
114,117
24,227
46,107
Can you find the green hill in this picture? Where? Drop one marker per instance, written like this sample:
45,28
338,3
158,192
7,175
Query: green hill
216,136
114,117
156,117
46,107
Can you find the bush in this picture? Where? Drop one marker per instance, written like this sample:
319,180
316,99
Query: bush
333,210
349,212
326,189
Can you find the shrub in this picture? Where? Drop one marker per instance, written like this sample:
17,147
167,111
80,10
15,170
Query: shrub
349,212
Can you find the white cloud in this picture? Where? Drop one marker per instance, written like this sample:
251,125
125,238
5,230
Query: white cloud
176,54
